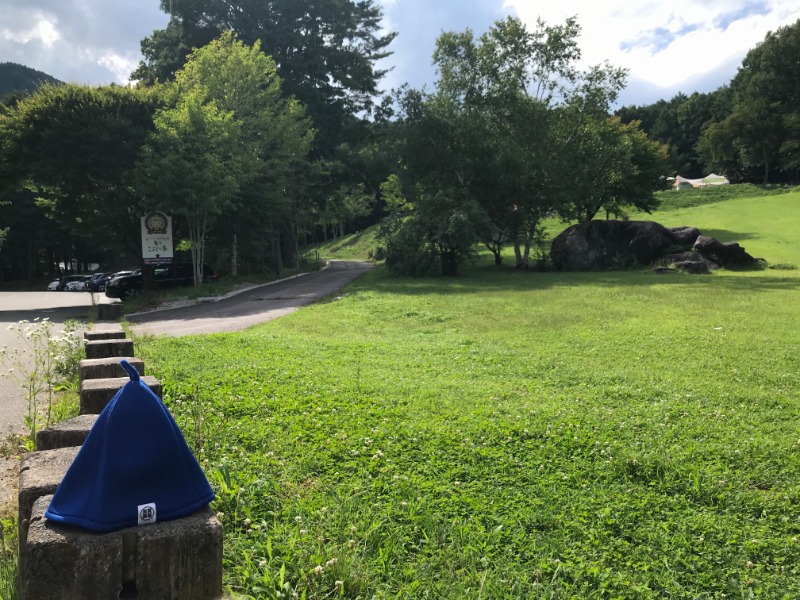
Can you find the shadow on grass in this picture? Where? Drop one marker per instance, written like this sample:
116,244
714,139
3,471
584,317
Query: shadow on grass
482,280
724,235
352,240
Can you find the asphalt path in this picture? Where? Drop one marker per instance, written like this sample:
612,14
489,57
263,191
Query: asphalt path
58,307
239,311
255,305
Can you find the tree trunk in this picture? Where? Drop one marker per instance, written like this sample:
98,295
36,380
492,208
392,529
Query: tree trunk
289,248
277,261
197,238
517,254
235,256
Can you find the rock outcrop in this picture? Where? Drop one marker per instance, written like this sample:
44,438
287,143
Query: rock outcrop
605,245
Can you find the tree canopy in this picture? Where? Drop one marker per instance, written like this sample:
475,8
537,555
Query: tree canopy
515,132
325,51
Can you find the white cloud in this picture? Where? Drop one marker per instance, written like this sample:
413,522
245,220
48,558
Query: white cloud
666,43
43,30
119,66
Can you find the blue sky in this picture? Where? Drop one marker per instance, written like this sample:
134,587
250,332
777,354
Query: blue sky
667,47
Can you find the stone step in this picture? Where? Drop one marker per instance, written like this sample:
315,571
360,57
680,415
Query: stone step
39,475
71,432
96,393
104,368
93,336
108,348
112,311
170,560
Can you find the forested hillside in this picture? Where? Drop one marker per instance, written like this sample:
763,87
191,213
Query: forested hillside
19,78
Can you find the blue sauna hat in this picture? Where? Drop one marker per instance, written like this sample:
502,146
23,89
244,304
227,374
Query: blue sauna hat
134,468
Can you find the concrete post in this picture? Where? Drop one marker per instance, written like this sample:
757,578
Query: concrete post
168,560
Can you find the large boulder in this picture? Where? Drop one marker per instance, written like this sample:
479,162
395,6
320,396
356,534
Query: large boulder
730,255
684,236
602,245
688,262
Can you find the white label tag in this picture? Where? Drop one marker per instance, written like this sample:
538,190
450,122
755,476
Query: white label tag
147,513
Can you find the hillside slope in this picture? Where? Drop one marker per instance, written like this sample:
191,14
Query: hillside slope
19,78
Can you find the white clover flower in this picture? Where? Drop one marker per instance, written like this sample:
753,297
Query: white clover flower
318,570
331,562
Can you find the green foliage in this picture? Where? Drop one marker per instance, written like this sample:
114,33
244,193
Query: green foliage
67,156
438,236
611,167
766,97
326,52
272,142
9,565
518,133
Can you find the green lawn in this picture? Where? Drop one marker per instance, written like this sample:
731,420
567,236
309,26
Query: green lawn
513,434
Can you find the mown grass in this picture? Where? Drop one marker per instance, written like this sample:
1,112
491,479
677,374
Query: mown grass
358,246
672,199
511,435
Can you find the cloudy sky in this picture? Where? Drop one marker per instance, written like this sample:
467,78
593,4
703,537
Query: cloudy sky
682,45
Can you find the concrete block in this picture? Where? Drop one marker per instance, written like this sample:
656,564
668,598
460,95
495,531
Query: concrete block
93,336
107,348
105,368
95,393
169,560
39,475
110,312
71,432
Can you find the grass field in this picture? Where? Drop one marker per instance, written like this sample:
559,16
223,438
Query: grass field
511,434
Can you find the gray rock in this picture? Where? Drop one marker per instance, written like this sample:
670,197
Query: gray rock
602,245
727,255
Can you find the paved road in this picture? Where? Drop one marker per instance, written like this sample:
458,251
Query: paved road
256,305
262,303
17,306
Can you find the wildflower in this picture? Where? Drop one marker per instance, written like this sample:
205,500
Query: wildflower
331,562
262,563
338,583
319,570
247,522
303,531
298,519
220,515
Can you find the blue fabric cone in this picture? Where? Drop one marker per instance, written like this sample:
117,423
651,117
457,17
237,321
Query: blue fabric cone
134,467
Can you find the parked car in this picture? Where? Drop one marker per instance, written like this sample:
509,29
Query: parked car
60,284
177,275
98,281
78,285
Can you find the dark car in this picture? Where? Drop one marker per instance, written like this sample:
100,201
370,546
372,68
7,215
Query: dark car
93,283
99,281
177,275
